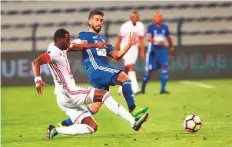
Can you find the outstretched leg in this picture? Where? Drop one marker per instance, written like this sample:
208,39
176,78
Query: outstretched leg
87,126
125,82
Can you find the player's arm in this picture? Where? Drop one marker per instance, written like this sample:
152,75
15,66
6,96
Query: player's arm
117,55
142,48
149,37
149,33
170,42
141,41
119,38
118,42
78,47
42,59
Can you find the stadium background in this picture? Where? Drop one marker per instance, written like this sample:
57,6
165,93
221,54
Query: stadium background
202,33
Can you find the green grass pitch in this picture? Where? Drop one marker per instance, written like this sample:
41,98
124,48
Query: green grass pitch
25,116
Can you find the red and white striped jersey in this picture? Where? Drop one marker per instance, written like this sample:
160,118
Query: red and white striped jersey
60,70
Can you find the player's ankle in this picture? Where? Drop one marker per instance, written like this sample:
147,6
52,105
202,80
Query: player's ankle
131,108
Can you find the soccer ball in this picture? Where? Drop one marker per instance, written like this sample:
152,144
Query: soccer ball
192,123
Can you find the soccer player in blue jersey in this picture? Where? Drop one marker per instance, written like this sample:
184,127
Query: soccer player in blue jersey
101,75
157,54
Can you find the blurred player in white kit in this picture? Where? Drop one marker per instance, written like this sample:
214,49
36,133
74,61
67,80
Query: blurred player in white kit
130,58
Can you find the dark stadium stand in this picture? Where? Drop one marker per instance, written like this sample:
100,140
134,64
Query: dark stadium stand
183,27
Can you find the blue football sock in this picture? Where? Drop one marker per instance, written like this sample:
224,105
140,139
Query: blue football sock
67,122
128,95
146,77
164,79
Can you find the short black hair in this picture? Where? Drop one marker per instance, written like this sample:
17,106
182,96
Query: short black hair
60,33
95,12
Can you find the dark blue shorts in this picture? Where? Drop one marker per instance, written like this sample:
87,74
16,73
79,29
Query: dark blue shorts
104,77
156,58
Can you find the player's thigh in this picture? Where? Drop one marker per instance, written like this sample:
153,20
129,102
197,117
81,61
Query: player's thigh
77,113
64,102
130,60
122,77
163,57
130,67
131,56
100,86
82,96
151,62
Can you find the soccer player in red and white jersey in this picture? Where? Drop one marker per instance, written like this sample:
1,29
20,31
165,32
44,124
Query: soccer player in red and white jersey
130,58
70,98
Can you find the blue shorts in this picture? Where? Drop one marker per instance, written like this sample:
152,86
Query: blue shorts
103,78
156,58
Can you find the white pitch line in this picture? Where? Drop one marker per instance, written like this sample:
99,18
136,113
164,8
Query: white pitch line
199,84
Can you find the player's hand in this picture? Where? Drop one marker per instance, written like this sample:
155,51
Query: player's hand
102,45
172,51
133,39
142,55
115,61
39,86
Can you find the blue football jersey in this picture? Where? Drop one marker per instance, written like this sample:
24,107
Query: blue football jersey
158,33
95,57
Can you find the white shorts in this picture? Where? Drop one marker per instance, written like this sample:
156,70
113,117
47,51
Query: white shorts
131,56
74,105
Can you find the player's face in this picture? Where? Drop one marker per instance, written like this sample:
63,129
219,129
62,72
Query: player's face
158,18
64,42
96,23
134,18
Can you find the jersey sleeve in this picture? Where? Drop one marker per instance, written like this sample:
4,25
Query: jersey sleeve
45,58
109,48
77,41
80,37
149,30
141,30
53,54
167,33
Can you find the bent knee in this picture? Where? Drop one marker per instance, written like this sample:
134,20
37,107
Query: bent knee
94,108
100,92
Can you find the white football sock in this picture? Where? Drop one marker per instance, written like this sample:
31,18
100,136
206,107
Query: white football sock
118,109
75,129
134,82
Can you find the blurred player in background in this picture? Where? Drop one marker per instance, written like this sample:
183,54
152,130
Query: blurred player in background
157,54
70,98
130,58
101,74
